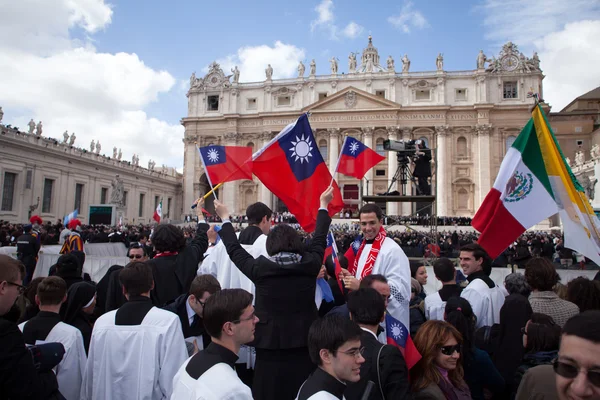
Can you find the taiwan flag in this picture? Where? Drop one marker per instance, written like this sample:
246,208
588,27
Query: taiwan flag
356,158
292,167
397,335
226,163
331,250
353,250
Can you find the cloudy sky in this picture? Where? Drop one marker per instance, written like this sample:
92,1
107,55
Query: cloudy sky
118,70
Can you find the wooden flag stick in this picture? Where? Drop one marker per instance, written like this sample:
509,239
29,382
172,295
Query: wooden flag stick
212,190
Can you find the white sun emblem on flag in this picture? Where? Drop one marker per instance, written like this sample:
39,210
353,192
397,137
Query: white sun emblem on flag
302,148
396,331
353,147
213,155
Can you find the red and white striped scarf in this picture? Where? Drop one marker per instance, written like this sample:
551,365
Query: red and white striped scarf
375,247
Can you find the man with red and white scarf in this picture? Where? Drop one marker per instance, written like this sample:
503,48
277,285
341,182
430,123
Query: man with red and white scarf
379,254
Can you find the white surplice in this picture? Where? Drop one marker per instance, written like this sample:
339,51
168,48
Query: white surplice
134,361
485,301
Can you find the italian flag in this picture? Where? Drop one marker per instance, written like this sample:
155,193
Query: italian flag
158,212
534,183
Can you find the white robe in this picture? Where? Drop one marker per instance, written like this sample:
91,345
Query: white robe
392,263
434,307
69,372
134,361
485,301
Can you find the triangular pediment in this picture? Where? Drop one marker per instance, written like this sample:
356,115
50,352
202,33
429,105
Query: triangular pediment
351,99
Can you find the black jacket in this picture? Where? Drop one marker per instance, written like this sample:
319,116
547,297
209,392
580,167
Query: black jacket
285,294
178,307
423,164
392,372
173,275
27,249
18,377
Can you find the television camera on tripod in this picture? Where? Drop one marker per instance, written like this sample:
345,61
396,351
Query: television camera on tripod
411,152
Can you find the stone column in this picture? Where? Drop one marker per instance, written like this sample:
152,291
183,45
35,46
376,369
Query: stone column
442,190
392,89
229,191
191,159
264,194
484,179
368,141
334,149
392,161
406,208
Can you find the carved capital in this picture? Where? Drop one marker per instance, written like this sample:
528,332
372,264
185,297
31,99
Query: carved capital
266,136
368,132
334,133
405,82
191,139
334,84
231,136
368,82
235,92
392,132
268,89
483,129
441,81
392,81
442,130
406,132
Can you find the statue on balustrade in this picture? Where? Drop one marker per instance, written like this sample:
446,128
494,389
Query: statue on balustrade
118,191
72,139
31,126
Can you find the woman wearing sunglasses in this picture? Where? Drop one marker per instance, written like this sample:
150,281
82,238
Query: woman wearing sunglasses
439,374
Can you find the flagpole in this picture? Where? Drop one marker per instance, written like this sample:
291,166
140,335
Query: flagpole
212,189
337,164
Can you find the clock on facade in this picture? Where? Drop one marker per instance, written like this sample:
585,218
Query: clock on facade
510,62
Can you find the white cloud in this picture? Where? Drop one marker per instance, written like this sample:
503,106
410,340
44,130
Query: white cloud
70,86
326,21
252,61
353,30
408,18
570,59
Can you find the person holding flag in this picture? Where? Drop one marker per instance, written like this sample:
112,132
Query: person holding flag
158,212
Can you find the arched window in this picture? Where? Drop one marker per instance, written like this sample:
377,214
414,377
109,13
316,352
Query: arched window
323,149
463,199
379,147
509,142
249,197
461,146
424,139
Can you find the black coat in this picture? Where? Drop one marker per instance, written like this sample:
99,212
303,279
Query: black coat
392,371
178,307
173,275
423,164
114,297
285,294
18,377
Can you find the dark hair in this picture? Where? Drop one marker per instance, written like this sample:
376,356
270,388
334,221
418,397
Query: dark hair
414,267
224,306
68,265
368,280
284,238
330,333
11,270
542,337
204,283
584,293
137,246
167,237
371,208
543,319
80,255
136,278
459,314
256,212
31,290
541,274
444,269
517,283
366,306
585,325
479,252
330,266
51,291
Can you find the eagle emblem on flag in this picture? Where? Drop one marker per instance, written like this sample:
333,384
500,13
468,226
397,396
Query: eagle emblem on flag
518,186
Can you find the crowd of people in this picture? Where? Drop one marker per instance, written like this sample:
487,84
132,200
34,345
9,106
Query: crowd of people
212,312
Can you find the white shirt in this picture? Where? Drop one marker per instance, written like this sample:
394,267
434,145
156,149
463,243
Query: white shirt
70,371
485,301
434,307
134,361
190,312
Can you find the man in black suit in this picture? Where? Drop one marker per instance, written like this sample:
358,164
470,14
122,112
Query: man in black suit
19,378
190,308
422,169
285,300
384,364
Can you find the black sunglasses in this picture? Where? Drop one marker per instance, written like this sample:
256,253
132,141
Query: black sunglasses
570,371
21,288
449,350
136,256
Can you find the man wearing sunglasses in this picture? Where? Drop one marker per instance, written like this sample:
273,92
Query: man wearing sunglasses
577,369
114,293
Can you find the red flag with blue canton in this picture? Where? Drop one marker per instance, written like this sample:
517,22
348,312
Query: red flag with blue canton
292,167
397,335
331,250
353,250
356,158
226,163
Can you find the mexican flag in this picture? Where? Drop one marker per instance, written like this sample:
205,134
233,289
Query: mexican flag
158,212
534,183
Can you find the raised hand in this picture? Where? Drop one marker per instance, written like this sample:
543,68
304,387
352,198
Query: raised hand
221,210
326,197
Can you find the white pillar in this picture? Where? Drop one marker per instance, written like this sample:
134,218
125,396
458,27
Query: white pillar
392,160
229,188
190,161
265,195
406,208
484,178
368,141
442,188
334,149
